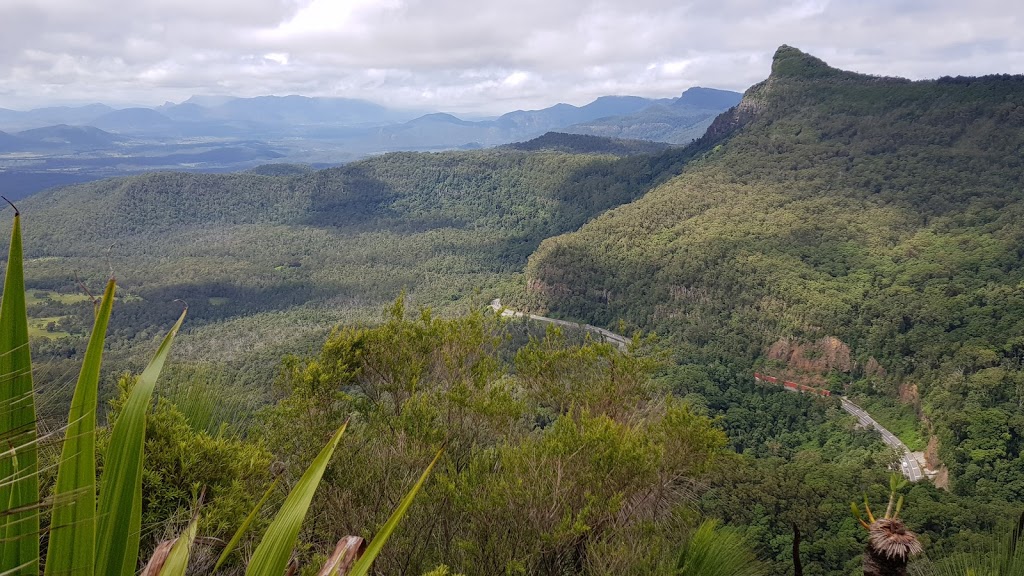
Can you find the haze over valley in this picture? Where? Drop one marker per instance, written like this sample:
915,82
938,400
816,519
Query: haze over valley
47,147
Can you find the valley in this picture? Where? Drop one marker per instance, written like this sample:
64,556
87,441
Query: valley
860,235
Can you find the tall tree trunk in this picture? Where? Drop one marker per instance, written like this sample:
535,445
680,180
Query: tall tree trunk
798,569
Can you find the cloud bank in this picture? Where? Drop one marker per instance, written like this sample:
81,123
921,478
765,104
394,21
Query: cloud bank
483,56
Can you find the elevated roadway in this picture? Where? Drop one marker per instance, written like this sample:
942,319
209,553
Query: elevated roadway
909,465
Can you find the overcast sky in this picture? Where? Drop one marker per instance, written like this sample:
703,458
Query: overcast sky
475,56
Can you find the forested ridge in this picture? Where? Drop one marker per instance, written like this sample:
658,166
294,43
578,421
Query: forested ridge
883,212
861,233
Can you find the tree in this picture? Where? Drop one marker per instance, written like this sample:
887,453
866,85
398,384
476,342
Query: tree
890,545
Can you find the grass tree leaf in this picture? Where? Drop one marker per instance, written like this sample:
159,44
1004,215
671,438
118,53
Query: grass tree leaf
177,559
712,551
120,500
19,486
245,526
72,545
274,550
362,567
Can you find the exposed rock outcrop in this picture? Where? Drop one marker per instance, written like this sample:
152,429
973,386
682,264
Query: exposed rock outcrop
821,356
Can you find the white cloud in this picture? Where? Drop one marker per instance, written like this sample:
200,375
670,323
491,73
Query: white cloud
280,58
475,56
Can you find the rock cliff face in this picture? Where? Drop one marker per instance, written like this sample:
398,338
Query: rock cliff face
790,64
735,118
824,355
909,394
934,466
874,369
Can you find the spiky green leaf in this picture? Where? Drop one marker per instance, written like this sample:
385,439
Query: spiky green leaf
19,487
712,551
72,545
245,526
362,567
120,501
867,510
177,559
274,550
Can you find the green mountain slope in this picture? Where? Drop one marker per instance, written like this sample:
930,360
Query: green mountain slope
265,259
881,211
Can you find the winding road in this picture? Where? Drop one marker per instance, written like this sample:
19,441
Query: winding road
606,335
909,465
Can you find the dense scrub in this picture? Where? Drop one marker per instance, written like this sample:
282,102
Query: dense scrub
558,457
561,456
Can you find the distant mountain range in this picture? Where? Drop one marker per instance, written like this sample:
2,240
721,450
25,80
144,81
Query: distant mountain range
678,121
367,127
51,146
14,120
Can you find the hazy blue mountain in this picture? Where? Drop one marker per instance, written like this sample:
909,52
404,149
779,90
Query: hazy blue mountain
708,98
208,101
443,131
219,133
15,120
441,117
11,143
7,115
79,137
134,120
186,111
303,110
677,121
284,111
437,131
561,115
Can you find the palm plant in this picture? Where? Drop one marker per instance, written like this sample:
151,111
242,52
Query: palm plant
98,531
890,544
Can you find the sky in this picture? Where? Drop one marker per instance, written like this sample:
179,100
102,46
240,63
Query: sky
475,56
